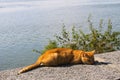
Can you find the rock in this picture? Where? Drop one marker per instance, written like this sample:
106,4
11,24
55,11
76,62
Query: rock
107,67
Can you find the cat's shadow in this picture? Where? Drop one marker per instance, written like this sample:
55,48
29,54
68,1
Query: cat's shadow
96,63
101,63
69,65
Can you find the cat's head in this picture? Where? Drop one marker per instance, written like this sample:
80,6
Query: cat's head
88,57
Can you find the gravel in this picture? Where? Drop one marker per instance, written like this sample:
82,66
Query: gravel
107,68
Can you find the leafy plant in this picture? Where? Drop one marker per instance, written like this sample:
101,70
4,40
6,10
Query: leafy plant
52,44
98,39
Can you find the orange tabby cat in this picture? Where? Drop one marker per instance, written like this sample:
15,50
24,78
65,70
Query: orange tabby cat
59,56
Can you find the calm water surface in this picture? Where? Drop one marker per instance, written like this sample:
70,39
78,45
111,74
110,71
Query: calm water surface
28,25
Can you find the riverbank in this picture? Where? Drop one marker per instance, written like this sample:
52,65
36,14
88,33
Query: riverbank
108,68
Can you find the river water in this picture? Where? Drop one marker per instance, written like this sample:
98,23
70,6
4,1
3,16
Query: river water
28,24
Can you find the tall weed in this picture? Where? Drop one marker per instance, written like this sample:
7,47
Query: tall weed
98,39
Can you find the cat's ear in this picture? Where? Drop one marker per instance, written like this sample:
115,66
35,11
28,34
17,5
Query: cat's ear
93,51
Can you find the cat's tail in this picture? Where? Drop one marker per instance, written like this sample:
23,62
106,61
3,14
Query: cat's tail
27,68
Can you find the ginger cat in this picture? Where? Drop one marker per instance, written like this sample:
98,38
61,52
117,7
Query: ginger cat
59,56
